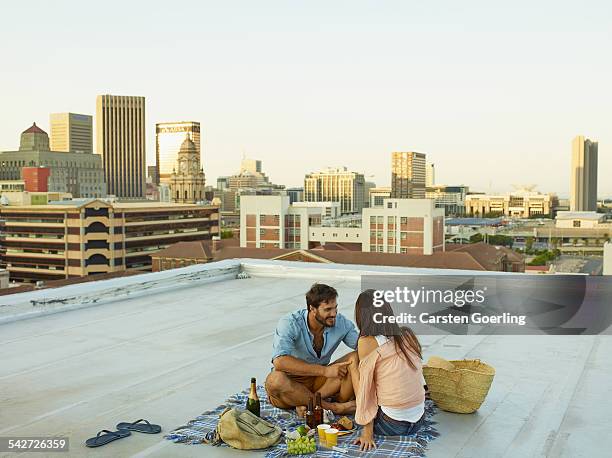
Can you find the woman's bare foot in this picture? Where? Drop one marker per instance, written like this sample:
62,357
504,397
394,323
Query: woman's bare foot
301,411
344,408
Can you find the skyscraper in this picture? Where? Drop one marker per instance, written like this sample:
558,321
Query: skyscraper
71,132
169,136
430,174
120,128
336,185
250,165
583,192
408,175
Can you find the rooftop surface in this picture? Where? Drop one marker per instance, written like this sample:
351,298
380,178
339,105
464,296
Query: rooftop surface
167,346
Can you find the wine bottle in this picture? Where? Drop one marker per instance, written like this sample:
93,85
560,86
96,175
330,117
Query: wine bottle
318,410
252,404
310,415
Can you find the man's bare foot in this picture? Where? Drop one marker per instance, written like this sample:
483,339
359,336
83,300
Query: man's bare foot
301,411
344,408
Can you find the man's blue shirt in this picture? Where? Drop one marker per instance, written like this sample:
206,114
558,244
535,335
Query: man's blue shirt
293,337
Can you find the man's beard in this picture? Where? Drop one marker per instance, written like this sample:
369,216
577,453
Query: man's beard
323,322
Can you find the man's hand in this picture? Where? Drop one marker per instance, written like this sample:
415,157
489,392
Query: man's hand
338,370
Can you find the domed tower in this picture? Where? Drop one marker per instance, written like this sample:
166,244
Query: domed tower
188,181
34,139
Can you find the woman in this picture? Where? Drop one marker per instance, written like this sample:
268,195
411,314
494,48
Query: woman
389,381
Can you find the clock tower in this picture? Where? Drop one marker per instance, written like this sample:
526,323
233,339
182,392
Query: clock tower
187,181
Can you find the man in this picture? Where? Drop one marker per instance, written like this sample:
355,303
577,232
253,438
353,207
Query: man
303,346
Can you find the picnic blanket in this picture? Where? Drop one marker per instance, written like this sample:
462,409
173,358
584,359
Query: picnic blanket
200,430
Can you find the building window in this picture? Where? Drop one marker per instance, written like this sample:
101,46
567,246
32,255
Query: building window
381,249
373,234
262,232
390,249
404,250
389,204
391,220
380,219
576,223
404,220
372,219
391,234
404,235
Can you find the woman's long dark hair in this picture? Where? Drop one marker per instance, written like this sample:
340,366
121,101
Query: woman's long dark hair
404,338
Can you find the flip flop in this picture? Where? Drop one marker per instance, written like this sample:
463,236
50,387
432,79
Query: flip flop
105,436
140,427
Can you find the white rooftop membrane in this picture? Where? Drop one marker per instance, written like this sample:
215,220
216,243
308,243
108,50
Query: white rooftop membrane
167,346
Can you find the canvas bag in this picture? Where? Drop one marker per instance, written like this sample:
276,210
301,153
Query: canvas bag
243,430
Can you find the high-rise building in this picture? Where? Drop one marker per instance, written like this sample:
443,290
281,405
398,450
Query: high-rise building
583,192
169,137
71,132
408,175
430,175
336,185
120,128
250,165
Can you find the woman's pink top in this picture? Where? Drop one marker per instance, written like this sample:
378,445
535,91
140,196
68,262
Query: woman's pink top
386,378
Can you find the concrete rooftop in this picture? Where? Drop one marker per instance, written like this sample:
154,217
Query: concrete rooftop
167,346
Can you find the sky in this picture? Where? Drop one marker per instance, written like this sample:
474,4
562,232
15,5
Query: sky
492,92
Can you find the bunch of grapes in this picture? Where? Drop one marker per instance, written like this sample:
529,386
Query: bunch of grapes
301,446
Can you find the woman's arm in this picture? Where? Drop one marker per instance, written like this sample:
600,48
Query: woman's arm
365,346
366,440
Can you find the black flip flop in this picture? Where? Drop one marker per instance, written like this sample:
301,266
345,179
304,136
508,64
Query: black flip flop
140,427
105,436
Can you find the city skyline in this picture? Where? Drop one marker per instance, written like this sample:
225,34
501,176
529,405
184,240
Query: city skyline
346,95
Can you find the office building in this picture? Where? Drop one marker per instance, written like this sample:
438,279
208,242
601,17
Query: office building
522,203
152,175
81,175
120,129
450,198
378,195
295,194
36,179
169,137
71,132
250,176
403,226
250,165
81,237
408,175
222,183
583,189
336,185
430,175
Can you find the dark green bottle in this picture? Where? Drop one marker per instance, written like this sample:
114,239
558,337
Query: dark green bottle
252,404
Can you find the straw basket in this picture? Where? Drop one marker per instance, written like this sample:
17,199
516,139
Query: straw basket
461,389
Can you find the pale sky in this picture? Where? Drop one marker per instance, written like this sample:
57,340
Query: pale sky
493,94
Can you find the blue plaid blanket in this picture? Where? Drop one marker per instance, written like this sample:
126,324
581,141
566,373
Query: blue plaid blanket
201,429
